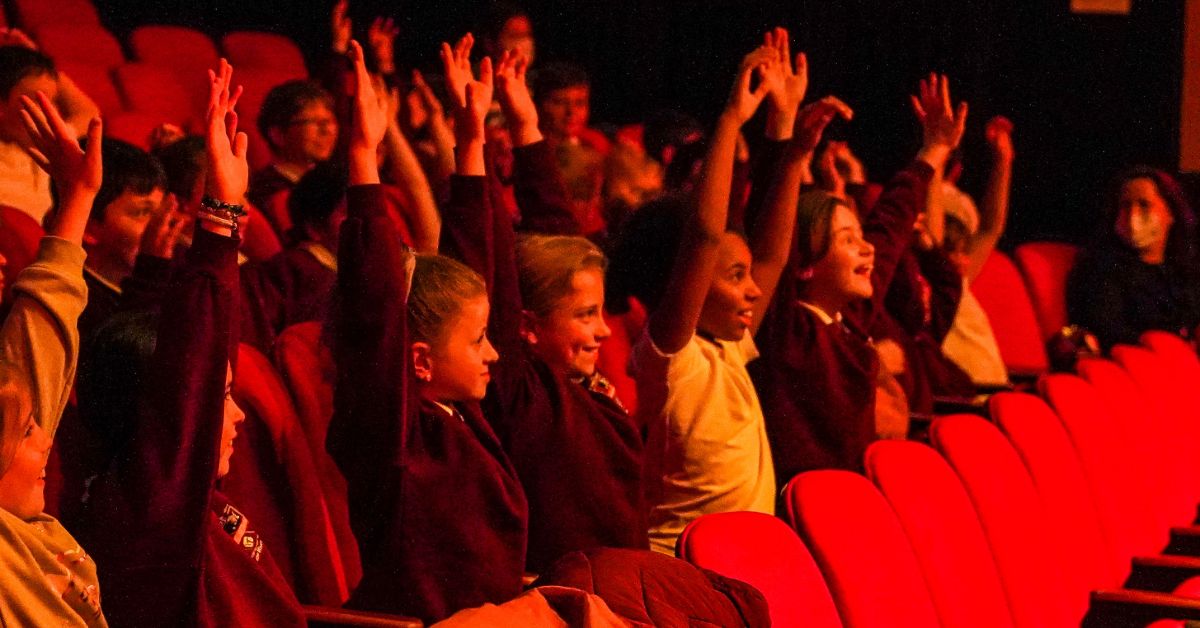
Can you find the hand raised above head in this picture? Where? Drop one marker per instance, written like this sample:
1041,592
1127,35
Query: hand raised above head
998,134
381,37
515,99
788,81
814,117
943,125
225,146
54,147
341,26
456,63
744,101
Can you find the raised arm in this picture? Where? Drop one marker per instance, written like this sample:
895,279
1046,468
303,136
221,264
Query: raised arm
994,206
787,84
405,169
673,323
771,233
39,337
538,186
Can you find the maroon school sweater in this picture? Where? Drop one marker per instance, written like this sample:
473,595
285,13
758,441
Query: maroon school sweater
292,287
436,507
577,451
816,382
170,550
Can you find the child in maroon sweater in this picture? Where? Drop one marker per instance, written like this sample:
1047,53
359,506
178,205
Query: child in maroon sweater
172,551
576,449
816,377
436,506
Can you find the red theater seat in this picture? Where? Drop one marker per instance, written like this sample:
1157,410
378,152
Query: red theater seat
1001,292
158,91
250,49
940,523
862,550
133,127
83,44
765,553
1045,266
32,15
97,83
183,49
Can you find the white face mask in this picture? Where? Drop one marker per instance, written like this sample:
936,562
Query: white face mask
1146,229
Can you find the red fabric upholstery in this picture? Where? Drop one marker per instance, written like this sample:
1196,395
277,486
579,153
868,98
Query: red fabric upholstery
256,82
940,522
20,236
614,355
158,91
1001,292
1031,566
861,548
249,49
81,43
1111,457
1074,521
32,15
184,49
133,127
1045,266
96,82
764,552
273,479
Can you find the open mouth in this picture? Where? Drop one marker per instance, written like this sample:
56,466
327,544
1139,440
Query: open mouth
864,270
746,316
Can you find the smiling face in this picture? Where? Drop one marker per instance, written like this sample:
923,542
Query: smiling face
1144,219
455,367
729,306
23,485
233,417
843,275
568,337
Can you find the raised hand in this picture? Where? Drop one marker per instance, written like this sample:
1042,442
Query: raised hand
848,163
341,27
381,37
788,81
225,146
942,124
369,122
472,97
76,173
831,180
456,62
998,134
515,100
814,117
743,101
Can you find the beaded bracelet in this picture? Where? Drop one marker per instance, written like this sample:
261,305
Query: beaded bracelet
221,213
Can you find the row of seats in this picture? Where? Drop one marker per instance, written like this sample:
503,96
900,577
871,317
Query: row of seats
1091,486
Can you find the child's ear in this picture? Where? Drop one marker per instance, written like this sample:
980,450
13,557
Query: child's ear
529,325
422,361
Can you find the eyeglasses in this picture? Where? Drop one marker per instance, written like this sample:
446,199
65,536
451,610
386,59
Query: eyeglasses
320,123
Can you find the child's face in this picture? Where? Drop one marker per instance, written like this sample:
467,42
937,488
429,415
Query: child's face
23,485
1143,220
459,362
233,417
564,112
117,235
729,306
844,274
568,338
11,127
310,136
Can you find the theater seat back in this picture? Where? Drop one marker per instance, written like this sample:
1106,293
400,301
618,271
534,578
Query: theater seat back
1030,565
940,522
20,237
253,49
861,549
1001,292
762,551
1045,267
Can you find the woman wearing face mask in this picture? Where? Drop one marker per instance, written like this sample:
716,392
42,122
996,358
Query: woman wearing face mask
1141,272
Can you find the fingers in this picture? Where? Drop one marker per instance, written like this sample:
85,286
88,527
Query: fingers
485,72
918,110
240,145
801,68
39,158
835,105
95,139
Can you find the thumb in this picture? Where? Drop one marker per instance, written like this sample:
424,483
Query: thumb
240,144
95,134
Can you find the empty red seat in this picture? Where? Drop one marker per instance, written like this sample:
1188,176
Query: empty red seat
81,43
762,551
179,47
251,49
1045,266
861,548
1001,292
133,127
273,478
1030,564
940,522
96,82
32,15
159,91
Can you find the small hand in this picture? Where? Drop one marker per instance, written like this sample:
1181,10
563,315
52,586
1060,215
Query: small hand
847,163
743,101
831,180
513,93
54,147
472,97
788,82
228,170
341,27
370,118
942,124
164,229
381,37
456,62
998,133
813,119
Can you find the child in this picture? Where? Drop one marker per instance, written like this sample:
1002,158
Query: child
818,369
577,451
174,551
48,578
436,506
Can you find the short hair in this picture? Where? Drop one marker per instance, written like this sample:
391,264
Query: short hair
16,404
127,168
814,221
440,285
184,163
114,367
285,101
546,266
495,16
670,128
317,195
19,62
643,252
555,76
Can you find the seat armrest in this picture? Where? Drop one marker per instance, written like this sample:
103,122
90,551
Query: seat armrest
1162,573
328,617
1124,607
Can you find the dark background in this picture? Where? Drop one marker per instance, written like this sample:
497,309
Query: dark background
1088,93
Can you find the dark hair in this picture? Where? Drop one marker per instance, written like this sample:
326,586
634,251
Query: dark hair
555,76
1181,248
669,128
19,62
127,168
643,251
285,101
113,369
814,218
184,163
316,196
494,17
